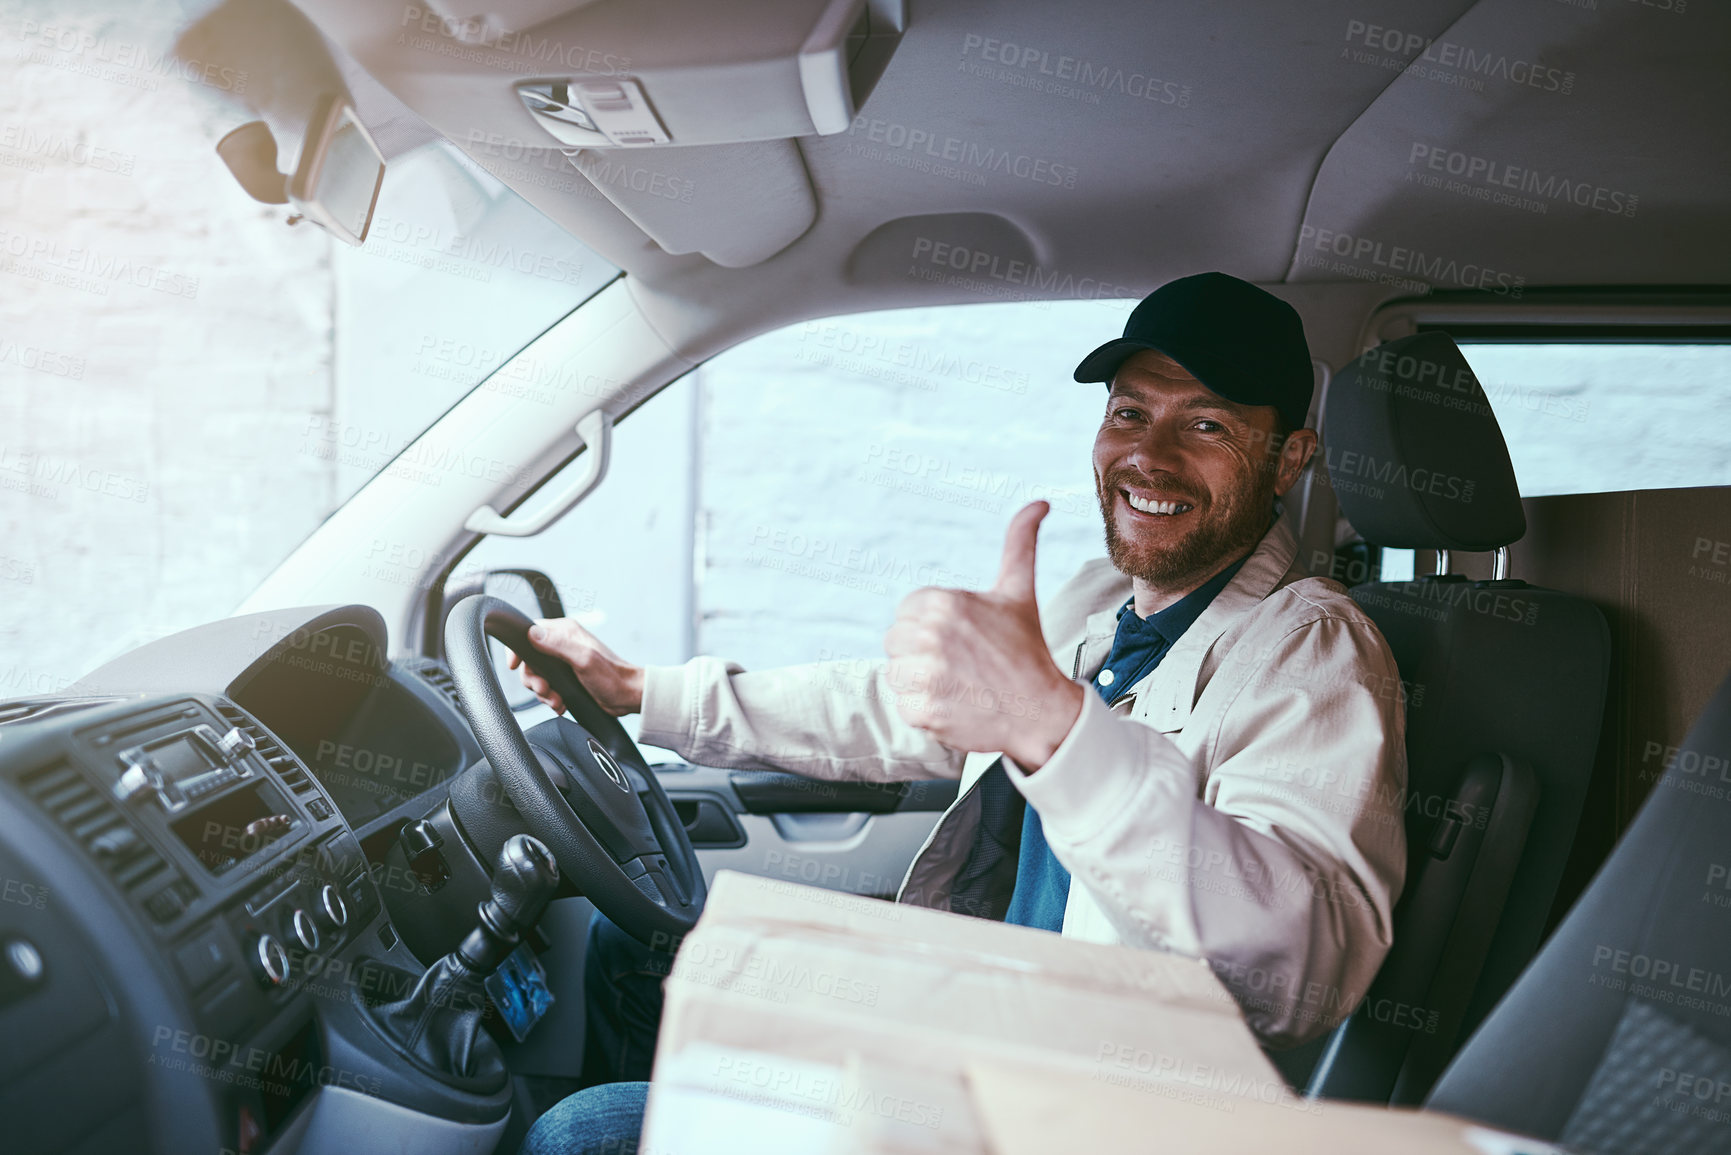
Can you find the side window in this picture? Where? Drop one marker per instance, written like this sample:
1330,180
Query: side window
776,505
621,561
849,461
1604,418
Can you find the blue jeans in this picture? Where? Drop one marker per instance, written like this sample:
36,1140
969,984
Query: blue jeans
604,1120
622,1000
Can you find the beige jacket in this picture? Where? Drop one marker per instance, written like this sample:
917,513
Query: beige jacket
1241,804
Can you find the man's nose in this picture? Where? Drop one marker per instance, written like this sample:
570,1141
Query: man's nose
1156,449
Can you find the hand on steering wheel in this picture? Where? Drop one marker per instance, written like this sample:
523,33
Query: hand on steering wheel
615,684
615,833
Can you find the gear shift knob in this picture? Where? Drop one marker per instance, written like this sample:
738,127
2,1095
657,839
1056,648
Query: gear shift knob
524,880
438,1023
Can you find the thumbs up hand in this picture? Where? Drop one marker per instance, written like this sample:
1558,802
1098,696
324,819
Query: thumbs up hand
973,670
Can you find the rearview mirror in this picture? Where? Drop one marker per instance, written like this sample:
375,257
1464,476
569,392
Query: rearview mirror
337,181
335,185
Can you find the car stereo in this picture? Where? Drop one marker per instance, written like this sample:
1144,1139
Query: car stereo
184,765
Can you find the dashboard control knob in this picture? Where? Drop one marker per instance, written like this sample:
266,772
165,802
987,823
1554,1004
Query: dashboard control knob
272,960
333,912
235,744
134,782
304,929
25,961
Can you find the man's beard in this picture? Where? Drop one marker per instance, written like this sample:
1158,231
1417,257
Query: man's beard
1225,529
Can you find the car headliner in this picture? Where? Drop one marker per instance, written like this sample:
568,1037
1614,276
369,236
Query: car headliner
1298,127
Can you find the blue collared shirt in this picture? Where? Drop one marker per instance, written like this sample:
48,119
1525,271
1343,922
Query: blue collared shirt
1042,883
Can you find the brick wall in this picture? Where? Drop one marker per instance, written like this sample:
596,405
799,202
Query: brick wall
158,339
847,462
187,385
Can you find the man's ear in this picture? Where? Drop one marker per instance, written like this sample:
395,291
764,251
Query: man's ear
1295,453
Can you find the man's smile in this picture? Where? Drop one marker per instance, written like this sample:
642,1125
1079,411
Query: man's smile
1147,505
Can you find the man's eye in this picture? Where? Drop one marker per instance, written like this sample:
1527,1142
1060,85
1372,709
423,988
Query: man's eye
1207,426
1126,411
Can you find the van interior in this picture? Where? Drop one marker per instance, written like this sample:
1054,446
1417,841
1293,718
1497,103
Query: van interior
211,840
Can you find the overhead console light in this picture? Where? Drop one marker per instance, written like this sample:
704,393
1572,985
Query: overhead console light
594,113
692,72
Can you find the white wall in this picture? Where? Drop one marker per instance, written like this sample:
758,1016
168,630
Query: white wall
847,462
188,385
1604,418
160,335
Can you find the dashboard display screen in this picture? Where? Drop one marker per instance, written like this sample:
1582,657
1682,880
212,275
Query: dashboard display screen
180,759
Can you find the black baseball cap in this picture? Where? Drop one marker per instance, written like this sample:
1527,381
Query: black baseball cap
1242,342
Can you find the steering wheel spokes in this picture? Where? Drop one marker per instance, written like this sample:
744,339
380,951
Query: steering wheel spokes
613,829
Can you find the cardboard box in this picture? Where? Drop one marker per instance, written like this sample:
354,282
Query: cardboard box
808,1022
1036,1110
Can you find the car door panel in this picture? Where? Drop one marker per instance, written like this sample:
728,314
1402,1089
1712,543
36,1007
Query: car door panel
847,836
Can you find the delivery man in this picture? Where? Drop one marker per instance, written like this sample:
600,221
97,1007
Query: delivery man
1191,747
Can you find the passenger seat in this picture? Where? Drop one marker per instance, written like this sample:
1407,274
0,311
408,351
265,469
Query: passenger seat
1617,1040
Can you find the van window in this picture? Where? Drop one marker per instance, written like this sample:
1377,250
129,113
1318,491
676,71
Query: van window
1604,418
189,386
851,460
778,503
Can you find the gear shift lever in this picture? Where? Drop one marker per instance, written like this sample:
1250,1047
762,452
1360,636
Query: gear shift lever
438,1023
524,880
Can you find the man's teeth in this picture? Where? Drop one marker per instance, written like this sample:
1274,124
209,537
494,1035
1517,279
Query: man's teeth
1166,507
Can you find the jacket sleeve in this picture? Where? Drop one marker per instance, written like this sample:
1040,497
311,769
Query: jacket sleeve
835,720
1280,865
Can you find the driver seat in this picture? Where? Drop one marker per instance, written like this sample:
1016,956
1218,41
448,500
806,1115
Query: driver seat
1505,690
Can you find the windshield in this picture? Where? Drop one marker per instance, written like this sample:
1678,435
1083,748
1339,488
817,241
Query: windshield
188,385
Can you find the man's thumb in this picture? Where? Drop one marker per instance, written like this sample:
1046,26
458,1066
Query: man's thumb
1016,572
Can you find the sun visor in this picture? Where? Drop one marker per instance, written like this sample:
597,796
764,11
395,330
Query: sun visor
735,204
684,114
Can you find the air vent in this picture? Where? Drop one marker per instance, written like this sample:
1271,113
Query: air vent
434,673
286,766
24,710
84,812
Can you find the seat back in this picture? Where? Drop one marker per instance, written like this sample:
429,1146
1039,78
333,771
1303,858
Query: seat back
1618,1037
1505,689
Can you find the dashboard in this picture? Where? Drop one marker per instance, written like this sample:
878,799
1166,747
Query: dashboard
378,736
191,889
216,852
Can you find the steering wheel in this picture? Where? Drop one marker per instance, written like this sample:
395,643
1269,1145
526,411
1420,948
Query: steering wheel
613,831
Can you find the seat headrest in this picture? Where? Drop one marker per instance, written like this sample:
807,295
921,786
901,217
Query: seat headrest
1414,452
